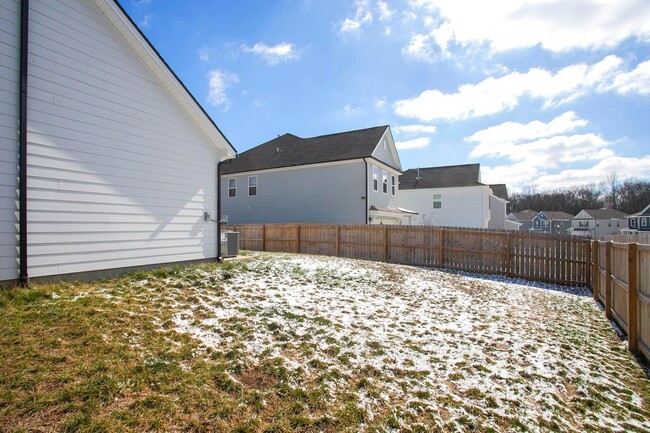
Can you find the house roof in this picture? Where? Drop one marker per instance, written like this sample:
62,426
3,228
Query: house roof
289,150
604,214
152,58
525,215
644,212
557,215
400,210
500,190
441,177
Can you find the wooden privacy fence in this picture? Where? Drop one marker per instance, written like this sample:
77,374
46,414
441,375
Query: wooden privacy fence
622,283
558,260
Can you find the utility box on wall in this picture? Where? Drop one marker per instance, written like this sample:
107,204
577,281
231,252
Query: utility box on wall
229,243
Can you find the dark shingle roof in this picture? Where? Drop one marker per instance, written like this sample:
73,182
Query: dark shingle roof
604,214
441,177
557,215
500,190
525,215
289,150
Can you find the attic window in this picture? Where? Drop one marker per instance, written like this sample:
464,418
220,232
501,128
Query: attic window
375,180
385,145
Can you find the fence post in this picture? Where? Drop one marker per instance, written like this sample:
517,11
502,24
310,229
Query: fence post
595,265
298,239
508,265
386,243
608,279
338,240
263,237
633,297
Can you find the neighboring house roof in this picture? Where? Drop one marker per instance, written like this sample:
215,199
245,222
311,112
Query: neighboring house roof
524,215
603,214
557,215
500,190
289,150
644,212
152,58
400,210
441,177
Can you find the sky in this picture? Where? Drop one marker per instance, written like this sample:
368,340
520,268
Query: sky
544,94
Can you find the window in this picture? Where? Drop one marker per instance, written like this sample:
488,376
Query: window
232,187
546,224
384,181
375,180
437,201
393,184
385,145
644,222
252,185
632,222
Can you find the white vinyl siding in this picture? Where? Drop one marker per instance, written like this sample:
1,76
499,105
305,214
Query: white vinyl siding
9,116
119,173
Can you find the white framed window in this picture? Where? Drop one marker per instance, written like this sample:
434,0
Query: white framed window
644,222
393,184
546,224
437,201
252,185
632,222
385,144
375,178
384,181
232,187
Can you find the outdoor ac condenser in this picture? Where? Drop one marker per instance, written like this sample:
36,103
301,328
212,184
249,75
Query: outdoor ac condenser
229,243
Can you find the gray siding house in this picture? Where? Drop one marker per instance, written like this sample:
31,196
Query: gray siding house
552,222
344,178
639,222
523,218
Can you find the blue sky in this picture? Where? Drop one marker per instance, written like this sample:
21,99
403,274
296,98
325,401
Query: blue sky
543,93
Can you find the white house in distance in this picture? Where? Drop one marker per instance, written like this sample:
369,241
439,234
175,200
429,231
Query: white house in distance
119,161
452,196
598,222
343,178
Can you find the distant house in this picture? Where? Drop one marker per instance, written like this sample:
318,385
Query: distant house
498,201
552,222
523,219
639,222
452,196
343,178
598,222
120,160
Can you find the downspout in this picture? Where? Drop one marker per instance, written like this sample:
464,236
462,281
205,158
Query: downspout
367,190
22,143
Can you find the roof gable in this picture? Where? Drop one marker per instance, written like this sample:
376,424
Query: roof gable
388,155
601,214
124,25
524,215
289,150
556,215
499,190
441,177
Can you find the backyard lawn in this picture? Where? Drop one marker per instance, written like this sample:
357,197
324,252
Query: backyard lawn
283,343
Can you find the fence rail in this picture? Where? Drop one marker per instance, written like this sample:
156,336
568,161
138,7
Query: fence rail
559,260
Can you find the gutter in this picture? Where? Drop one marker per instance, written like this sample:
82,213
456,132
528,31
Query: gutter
22,175
367,190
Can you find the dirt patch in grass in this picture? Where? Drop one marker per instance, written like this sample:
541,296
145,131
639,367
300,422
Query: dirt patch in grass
286,343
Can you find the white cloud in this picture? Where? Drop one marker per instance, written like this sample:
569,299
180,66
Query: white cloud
362,16
273,54
385,13
512,132
204,54
145,22
416,143
379,103
495,95
218,84
557,26
624,168
414,129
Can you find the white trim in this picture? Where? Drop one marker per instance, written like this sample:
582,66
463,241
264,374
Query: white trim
255,186
229,187
133,37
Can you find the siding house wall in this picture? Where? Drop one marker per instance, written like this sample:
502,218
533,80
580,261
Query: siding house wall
497,213
327,193
119,174
461,207
9,99
378,198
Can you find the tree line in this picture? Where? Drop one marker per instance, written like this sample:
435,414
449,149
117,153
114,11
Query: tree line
629,196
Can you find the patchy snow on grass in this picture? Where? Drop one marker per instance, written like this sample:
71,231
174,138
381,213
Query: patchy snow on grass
443,350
